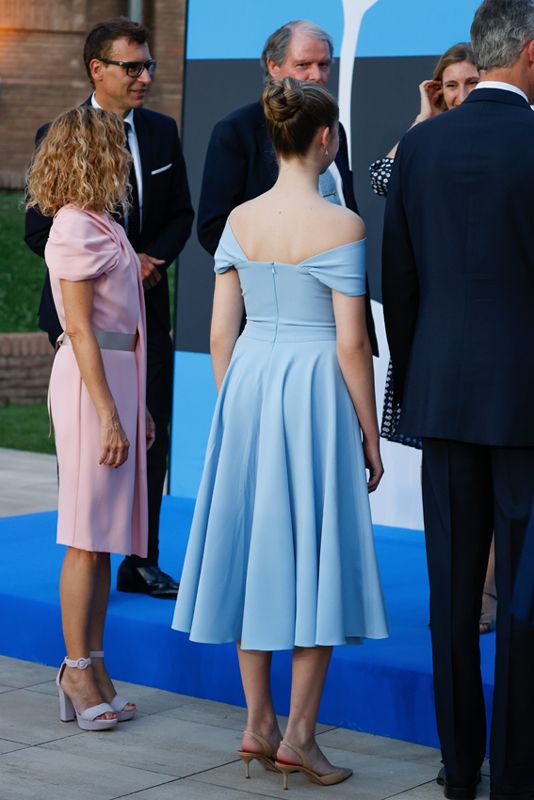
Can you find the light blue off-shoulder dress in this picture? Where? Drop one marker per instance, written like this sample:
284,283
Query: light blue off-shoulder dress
281,551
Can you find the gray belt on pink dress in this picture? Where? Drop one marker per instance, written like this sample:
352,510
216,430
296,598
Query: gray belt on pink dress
107,340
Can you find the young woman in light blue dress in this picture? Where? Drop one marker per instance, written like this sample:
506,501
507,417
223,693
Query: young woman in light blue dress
281,552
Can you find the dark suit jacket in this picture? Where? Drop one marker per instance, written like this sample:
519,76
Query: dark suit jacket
458,273
167,215
240,165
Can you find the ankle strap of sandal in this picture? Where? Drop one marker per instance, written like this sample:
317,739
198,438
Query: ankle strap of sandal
78,663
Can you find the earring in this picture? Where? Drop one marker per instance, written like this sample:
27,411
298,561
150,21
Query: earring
325,151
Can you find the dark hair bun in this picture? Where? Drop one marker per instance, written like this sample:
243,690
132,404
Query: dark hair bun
282,99
294,112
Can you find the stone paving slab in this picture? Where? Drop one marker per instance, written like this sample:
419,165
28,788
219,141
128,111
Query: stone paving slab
435,792
8,747
148,699
367,744
178,748
220,715
31,718
42,774
374,778
28,482
23,674
153,742
189,790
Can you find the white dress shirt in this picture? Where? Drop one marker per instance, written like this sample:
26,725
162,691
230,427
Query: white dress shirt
136,155
339,183
508,87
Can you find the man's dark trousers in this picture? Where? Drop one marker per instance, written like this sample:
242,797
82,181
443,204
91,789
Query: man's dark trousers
159,402
469,491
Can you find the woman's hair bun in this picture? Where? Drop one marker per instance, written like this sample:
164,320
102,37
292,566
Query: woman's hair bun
294,112
282,99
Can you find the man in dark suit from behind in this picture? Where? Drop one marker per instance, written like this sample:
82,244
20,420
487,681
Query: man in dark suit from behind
118,63
458,291
240,160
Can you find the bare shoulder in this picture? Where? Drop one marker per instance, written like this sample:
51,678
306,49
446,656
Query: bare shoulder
241,214
346,225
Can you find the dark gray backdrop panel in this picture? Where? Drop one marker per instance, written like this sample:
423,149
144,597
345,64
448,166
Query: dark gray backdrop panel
385,103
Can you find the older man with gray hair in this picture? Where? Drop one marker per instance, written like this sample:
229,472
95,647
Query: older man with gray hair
240,161
458,291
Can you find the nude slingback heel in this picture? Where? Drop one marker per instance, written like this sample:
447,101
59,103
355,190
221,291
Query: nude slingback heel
337,775
265,757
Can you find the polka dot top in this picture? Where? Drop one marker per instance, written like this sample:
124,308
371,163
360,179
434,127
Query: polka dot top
380,172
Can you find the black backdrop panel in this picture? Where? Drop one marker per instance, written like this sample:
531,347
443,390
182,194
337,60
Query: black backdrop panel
385,102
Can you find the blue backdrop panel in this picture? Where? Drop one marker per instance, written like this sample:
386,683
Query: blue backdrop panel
223,45
239,28
382,687
194,399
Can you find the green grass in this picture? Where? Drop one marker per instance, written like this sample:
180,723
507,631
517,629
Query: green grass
26,428
21,281
22,272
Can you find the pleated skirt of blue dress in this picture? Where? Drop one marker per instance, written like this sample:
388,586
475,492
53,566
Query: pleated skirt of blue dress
281,550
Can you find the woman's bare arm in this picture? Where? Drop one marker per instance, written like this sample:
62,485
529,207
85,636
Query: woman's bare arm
78,303
356,362
225,322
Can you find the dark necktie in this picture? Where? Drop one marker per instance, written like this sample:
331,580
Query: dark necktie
133,220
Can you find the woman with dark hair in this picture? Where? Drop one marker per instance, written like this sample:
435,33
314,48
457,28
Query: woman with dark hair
79,175
455,76
281,552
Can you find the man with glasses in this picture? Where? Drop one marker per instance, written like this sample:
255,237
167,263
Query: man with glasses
158,223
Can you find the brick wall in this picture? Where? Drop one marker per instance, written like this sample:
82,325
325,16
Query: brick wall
42,72
25,363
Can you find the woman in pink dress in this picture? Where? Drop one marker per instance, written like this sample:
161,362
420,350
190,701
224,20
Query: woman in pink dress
79,176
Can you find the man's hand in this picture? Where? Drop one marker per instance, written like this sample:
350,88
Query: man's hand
150,430
150,274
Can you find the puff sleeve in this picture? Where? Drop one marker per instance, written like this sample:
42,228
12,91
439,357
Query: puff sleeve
228,253
341,269
82,245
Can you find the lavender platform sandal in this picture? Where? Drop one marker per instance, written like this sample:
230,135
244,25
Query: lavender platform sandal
86,719
119,702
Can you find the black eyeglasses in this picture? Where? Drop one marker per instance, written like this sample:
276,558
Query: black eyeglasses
134,69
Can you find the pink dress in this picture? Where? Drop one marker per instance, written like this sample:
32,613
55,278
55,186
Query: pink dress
100,508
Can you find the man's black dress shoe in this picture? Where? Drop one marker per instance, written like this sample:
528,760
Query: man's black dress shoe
146,580
465,792
510,793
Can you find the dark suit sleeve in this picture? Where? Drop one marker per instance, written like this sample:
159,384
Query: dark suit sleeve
36,232
177,220
400,283
36,225
223,183
343,164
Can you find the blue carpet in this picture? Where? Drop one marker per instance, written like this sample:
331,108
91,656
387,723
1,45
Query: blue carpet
382,687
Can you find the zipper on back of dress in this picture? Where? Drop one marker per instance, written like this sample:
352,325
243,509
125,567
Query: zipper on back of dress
273,271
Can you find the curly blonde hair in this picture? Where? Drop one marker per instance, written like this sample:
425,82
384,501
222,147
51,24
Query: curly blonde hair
82,160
